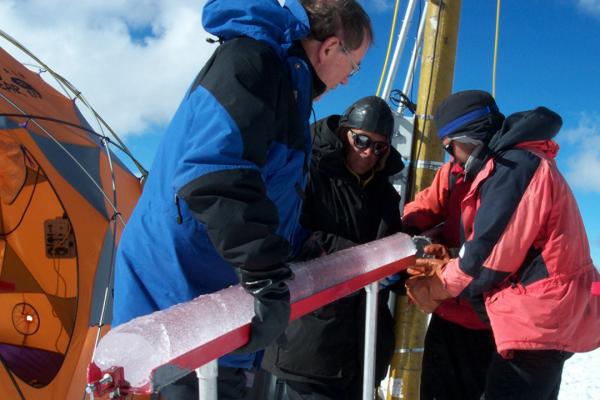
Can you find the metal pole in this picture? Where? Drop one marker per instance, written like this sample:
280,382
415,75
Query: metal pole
435,83
391,76
413,57
370,341
207,380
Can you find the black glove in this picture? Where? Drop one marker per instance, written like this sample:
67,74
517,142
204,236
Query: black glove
271,305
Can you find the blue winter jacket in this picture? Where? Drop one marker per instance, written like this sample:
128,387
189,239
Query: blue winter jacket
225,188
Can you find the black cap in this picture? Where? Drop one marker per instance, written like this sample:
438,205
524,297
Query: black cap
370,114
472,113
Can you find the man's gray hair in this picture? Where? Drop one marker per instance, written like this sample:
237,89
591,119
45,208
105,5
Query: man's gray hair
345,19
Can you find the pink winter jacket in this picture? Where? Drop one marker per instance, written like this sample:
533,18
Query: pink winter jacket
526,250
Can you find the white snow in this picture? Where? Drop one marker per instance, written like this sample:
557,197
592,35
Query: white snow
581,377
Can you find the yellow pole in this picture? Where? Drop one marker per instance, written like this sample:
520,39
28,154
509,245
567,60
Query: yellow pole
435,83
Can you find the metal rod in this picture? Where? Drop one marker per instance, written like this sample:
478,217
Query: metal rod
410,73
207,380
370,341
391,76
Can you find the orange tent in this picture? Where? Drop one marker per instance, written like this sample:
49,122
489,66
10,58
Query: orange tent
64,198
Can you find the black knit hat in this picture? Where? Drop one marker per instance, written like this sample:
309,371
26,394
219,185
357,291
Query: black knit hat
370,114
471,113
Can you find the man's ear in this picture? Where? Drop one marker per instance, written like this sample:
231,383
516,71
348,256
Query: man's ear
328,47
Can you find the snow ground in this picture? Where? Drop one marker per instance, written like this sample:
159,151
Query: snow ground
581,377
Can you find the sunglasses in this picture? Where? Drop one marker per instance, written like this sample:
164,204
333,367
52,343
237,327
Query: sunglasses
363,142
449,147
355,66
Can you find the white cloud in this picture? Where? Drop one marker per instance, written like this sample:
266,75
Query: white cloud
132,60
589,6
584,163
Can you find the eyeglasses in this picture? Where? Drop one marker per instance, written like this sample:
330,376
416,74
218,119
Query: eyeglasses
355,66
449,147
363,142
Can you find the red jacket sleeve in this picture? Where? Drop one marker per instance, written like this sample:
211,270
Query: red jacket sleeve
428,209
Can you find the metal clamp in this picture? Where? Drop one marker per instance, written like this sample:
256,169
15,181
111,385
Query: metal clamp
112,382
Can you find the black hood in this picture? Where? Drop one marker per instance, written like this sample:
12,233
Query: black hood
524,126
538,124
329,152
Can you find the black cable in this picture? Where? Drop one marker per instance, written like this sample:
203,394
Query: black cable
397,98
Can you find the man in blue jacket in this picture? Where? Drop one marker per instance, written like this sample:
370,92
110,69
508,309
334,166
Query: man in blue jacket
222,201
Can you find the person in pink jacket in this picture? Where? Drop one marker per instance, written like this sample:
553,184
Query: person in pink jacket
525,251
459,344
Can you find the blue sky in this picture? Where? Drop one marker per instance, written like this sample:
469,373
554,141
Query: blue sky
134,60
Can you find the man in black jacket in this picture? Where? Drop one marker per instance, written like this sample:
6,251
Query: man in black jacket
349,201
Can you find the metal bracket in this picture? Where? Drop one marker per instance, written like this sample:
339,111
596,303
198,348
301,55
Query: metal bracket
112,382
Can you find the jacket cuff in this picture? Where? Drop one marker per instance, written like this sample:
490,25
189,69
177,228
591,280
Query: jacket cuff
454,279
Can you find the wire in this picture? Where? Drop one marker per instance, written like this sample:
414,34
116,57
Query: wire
496,49
397,98
391,40
113,248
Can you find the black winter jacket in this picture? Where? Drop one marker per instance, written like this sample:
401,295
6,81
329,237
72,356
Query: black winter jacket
326,346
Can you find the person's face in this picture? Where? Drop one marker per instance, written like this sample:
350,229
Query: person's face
460,151
336,63
364,150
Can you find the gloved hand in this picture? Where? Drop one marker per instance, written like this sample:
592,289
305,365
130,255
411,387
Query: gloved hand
426,287
271,305
431,252
438,251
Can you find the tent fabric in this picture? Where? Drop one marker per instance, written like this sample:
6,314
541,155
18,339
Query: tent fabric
12,165
67,167
59,222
